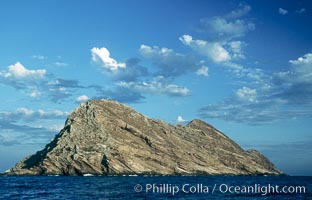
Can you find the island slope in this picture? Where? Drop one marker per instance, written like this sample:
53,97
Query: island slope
104,137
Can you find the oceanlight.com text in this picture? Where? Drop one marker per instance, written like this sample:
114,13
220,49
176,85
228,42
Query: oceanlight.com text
173,189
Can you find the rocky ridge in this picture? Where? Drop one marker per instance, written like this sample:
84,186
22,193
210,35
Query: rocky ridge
104,137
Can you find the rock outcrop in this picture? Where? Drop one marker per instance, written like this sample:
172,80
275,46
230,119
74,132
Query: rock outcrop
104,137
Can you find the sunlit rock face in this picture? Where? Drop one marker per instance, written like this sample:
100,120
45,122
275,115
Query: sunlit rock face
104,137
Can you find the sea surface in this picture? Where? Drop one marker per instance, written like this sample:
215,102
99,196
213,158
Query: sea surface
155,187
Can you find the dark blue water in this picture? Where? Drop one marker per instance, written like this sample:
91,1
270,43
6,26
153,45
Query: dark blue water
120,187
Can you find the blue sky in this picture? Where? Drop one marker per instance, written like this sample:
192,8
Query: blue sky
243,66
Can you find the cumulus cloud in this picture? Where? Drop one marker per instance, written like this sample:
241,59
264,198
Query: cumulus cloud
222,48
202,71
279,96
223,28
236,46
134,91
168,62
295,85
60,64
121,94
23,134
23,79
302,68
247,94
253,113
39,57
25,114
249,107
221,44
57,94
82,98
229,26
65,83
24,125
157,87
240,12
132,72
213,50
282,11
17,71
37,83
236,49
134,80
60,89
34,94
102,56
301,11
180,119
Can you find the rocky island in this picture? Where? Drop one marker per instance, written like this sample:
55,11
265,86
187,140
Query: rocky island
105,137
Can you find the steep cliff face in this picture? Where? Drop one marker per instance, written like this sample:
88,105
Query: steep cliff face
105,137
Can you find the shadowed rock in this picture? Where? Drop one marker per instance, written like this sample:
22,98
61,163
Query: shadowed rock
104,137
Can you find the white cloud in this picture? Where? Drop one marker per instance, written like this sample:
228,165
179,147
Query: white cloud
102,56
24,111
222,45
59,89
25,114
247,94
213,50
244,9
35,83
60,64
146,50
300,11
306,60
158,86
169,63
56,127
253,113
34,94
39,57
154,51
202,71
82,98
236,28
229,26
18,71
269,97
186,39
282,11
132,72
236,49
301,70
236,46
180,119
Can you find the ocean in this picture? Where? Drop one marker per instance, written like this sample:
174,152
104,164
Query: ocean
155,187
